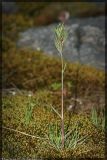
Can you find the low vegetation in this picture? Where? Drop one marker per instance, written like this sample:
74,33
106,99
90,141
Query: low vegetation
32,69
83,138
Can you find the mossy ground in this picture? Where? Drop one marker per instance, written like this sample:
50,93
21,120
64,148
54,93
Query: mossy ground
33,71
32,68
16,145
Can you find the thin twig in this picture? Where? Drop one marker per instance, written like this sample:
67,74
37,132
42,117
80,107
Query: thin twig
16,88
56,111
64,67
26,134
68,134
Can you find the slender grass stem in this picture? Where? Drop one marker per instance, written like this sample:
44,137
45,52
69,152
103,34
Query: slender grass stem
56,111
26,134
62,100
60,38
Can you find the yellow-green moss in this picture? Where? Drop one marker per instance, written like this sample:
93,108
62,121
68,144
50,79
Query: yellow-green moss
32,70
13,117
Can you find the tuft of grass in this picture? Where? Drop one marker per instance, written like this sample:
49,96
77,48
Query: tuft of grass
98,119
55,86
29,109
72,138
54,136
94,117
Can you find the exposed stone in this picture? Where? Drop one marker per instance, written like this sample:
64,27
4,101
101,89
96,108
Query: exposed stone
86,41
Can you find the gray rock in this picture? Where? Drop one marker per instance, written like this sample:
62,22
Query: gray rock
86,41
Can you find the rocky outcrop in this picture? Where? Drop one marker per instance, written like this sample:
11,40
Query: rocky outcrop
86,41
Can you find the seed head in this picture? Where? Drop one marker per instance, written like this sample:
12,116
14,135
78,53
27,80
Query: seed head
60,37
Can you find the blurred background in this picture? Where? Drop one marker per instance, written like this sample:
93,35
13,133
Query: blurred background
86,26
28,37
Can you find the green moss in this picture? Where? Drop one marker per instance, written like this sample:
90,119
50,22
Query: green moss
16,145
32,70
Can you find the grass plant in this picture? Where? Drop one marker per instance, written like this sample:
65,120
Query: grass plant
98,119
60,38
